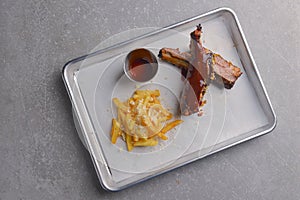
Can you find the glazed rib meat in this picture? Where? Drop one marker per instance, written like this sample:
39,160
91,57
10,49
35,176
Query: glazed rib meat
221,69
225,70
196,85
175,57
200,67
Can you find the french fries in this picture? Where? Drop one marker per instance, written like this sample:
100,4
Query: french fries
129,142
115,131
145,143
141,120
170,125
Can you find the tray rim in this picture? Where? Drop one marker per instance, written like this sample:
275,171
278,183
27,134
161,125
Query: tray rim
67,69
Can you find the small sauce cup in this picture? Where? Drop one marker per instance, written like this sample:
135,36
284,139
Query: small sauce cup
140,65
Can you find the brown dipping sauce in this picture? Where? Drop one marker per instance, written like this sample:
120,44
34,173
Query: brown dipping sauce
140,69
141,65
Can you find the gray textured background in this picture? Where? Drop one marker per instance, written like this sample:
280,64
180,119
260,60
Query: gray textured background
41,154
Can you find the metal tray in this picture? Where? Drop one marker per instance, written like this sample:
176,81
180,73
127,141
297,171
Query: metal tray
231,116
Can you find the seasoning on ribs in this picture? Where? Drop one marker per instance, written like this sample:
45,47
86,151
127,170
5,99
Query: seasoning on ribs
224,71
196,85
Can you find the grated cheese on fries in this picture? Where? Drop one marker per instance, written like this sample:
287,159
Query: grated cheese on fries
141,120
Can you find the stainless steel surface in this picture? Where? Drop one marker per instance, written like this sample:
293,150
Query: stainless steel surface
104,170
42,156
